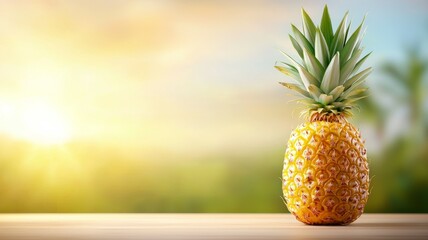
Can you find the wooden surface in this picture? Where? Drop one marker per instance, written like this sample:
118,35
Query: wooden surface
205,226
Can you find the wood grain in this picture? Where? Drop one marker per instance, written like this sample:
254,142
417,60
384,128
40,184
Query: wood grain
205,226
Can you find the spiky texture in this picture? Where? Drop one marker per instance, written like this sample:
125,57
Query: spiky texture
326,174
327,73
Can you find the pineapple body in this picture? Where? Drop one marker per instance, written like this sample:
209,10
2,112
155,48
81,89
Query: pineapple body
326,174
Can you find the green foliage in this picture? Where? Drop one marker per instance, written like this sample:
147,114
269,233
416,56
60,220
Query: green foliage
90,178
400,182
329,61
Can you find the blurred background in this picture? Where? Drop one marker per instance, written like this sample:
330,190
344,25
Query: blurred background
174,106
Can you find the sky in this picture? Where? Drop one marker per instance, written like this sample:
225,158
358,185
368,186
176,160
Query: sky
185,77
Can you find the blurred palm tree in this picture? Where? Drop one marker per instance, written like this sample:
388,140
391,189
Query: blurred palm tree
410,78
400,169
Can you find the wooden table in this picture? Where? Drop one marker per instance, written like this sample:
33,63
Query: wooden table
205,226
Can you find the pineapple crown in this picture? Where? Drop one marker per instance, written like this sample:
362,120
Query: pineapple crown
327,76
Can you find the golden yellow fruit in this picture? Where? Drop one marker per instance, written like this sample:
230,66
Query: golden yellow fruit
326,174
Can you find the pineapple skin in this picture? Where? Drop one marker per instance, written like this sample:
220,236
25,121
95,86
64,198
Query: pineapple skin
326,174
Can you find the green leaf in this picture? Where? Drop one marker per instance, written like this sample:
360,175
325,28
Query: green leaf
290,66
331,75
301,39
347,68
314,91
347,31
357,77
326,27
348,94
325,99
356,85
338,104
357,46
360,63
296,66
339,37
350,44
321,49
337,92
306,77
296,46
350,101
307,101
329,107
313,65
293,62
290,71
297,88
309,26
311,104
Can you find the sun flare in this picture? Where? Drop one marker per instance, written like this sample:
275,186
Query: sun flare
39,123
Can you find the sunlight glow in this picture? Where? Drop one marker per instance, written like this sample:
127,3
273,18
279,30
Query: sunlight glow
44,125
38,123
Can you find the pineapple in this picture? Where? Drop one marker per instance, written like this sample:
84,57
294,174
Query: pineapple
325,174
